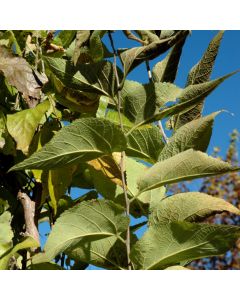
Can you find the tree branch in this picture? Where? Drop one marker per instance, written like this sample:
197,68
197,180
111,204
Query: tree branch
122,161
29,208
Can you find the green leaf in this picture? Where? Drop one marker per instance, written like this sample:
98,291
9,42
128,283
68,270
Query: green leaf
66,37
81,41
128,57
134,56
43,136
26,243
166,92
191,207
85,139
203,89
108,253
145,143
113,116
110,190
22,125
133,169
7,144
81,177
9,39
96,46
167,245
147,36
58,182
186,165
102,108
6,233
141,101
166,70
172,110
97,78
189,97
200,73
87,221
167,33
195,134
74,99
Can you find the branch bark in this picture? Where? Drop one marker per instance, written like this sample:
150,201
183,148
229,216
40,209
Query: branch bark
29,208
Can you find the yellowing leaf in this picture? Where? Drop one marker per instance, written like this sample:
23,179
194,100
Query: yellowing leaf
108,166
58,182
22,125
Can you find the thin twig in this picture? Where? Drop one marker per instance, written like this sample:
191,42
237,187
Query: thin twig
159,124
37,54
42,62
149,71
122,161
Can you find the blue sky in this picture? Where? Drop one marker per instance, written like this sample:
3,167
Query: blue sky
226,96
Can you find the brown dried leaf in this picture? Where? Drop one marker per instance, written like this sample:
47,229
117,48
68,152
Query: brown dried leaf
20,75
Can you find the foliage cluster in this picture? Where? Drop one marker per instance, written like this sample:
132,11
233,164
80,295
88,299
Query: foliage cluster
69,117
